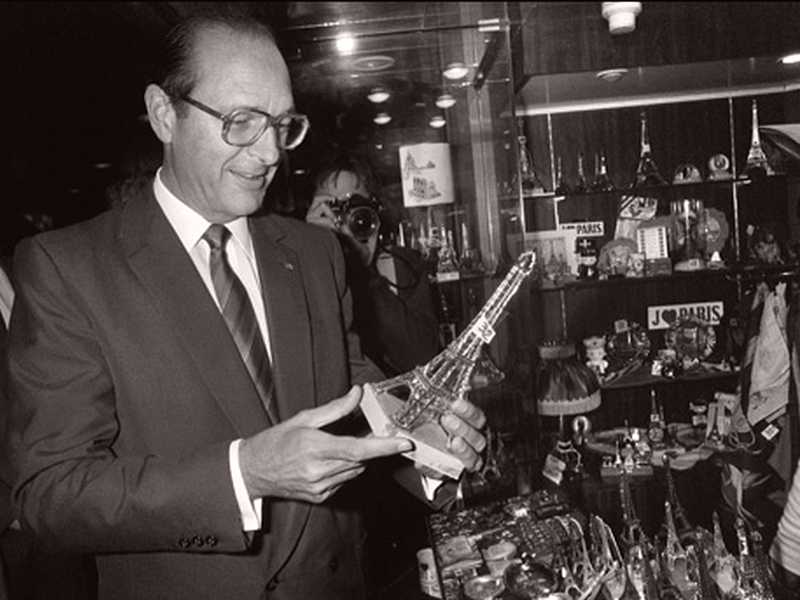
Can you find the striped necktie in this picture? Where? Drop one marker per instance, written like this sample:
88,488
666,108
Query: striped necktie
240,316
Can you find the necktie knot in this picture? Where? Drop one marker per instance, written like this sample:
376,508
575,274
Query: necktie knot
217,236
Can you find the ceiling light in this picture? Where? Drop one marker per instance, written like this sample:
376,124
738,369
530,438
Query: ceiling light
102,166
621,16
382,118
790,59
455,70
437,121
611,75
378,95
345,43
445,101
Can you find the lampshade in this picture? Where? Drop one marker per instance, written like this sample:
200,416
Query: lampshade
565,386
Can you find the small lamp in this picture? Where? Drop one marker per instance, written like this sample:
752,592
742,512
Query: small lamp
565,386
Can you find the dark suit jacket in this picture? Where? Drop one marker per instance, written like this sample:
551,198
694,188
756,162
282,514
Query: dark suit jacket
127,390
398,331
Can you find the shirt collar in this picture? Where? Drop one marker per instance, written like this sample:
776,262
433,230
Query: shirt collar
191,225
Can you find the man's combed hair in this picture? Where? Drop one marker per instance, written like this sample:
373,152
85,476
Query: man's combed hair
178,75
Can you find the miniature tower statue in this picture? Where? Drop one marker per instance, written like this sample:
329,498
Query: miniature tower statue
757,162
411,405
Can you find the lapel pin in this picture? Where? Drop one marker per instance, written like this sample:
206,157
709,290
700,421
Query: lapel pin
289,266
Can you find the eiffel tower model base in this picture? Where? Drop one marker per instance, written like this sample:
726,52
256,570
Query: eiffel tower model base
429,437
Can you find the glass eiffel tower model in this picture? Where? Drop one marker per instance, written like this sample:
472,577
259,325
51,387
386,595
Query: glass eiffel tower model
757,163
412,404
647,172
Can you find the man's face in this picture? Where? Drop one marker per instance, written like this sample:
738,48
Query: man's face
220,181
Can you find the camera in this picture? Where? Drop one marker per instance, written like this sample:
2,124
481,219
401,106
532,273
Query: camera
360,214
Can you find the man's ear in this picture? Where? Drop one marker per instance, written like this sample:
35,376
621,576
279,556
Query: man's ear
160,112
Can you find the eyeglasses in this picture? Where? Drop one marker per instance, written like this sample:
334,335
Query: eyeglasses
244,126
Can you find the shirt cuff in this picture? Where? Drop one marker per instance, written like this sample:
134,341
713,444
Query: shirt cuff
430,485
250,511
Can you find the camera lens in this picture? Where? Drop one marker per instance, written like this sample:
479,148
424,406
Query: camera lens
363,221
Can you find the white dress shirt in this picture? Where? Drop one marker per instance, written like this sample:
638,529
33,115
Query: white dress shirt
190,227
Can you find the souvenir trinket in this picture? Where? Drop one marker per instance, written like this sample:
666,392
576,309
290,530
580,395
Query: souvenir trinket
614,257
627,344
595,347
587,258
687,173
692,339
688,234
715,232
635,265
718,168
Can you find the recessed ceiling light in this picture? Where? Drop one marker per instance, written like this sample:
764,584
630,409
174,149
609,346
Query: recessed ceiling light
790,59
382,118
345,43
445,101
372,63
437,121
378,95
102,166
455,70
611,75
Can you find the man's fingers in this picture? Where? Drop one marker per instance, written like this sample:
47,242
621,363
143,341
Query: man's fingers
362,449
470,413
465,453
455,426
330,412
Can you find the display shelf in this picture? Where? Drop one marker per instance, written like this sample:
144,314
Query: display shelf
642,377
731,273
655,189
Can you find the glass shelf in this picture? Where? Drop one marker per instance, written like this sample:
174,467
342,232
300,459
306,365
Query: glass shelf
642,377
730,273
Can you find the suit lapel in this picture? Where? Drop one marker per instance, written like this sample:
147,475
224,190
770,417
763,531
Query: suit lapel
289,327
287,313
162,265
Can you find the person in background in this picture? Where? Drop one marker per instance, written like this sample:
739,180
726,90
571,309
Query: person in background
393,306
393,312
181,370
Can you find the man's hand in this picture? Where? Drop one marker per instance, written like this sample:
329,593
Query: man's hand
321,213
463,424
296,460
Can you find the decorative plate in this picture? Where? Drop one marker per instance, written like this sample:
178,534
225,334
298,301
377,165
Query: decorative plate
691,338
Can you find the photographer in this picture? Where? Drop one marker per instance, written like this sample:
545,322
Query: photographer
394,315
392,298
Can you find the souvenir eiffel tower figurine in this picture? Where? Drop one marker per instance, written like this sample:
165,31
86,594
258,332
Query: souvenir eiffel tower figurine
757,163
636,544
646,171
684,528
412,404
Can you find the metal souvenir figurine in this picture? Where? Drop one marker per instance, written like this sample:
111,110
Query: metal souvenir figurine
412,404
719,168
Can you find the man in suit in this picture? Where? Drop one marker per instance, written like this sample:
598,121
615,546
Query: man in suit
192,453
